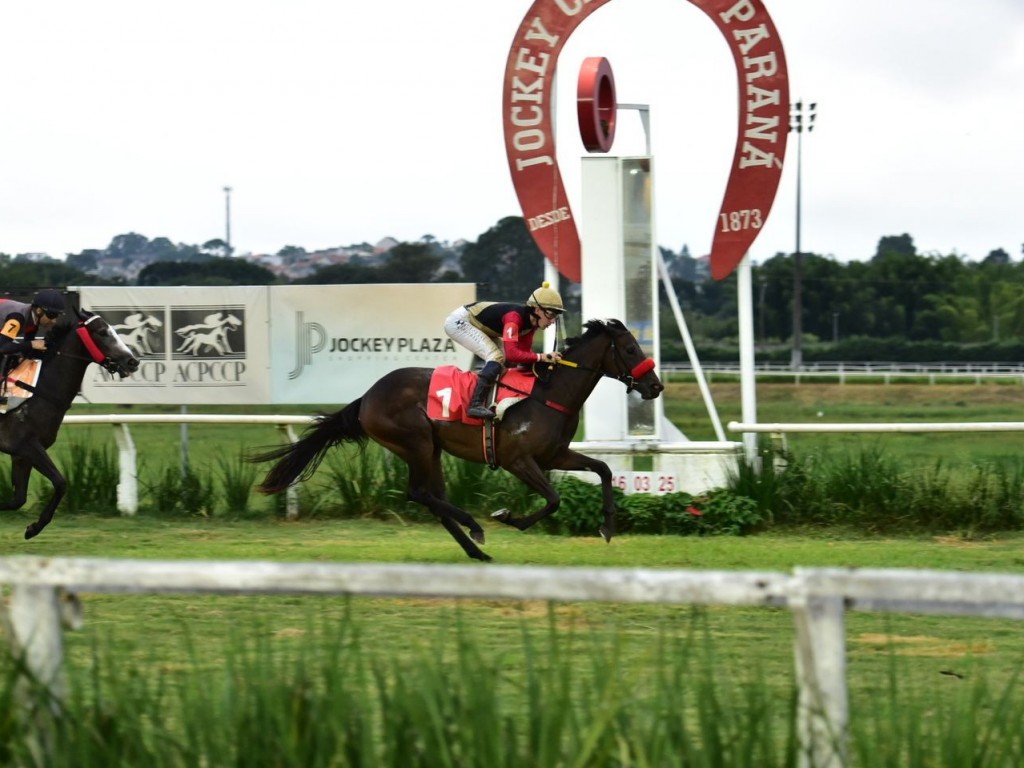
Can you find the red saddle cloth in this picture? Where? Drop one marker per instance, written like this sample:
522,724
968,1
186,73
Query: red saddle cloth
451,390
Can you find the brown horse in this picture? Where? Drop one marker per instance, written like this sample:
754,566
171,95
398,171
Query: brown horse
532,437
27,430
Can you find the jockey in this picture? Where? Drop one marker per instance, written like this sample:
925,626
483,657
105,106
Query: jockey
25,325
479,326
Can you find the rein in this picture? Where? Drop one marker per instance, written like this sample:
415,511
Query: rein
638,371
629,378
530,396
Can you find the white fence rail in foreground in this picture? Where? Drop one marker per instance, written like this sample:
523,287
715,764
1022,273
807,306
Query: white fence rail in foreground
816,597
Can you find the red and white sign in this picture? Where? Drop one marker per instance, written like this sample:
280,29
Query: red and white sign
527,104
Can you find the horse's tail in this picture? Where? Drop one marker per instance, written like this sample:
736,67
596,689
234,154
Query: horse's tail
298,461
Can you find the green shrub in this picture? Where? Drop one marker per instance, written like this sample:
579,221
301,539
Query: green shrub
92,473
720,511
580,512
189,494
361,482
237,478
874,491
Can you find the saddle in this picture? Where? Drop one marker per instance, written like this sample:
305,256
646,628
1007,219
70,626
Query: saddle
451,390
18,385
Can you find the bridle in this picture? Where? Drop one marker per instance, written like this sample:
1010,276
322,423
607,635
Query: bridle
627,375
96,355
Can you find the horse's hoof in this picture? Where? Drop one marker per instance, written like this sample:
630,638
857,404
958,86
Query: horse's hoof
502,515
477,536
605,534
31,531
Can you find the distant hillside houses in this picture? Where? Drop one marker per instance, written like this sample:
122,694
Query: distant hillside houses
299,264
289,264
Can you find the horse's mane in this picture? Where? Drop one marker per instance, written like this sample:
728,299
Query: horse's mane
593,328
57,334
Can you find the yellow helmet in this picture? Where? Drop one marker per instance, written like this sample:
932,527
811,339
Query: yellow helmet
546,298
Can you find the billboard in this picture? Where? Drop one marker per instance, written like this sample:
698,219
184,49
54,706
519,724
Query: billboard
195,344
270,344
329,343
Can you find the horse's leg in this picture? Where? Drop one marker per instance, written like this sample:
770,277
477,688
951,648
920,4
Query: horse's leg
532,475
420,482
437,489
21,468
399,423
573,461
527,470
426,487
42,463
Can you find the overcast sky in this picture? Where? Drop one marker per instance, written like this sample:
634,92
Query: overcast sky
336,123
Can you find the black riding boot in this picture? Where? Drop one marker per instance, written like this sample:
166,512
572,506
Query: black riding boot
485,380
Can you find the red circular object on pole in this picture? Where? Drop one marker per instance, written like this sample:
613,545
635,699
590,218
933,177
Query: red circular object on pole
595,104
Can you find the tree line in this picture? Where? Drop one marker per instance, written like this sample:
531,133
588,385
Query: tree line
897,297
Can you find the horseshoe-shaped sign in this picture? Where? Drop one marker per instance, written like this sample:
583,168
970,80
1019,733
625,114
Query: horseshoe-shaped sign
761,136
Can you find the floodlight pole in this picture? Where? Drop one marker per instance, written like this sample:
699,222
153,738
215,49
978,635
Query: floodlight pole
227,219
797,112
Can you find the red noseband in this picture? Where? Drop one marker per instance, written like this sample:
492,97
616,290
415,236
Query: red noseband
642,368
90,345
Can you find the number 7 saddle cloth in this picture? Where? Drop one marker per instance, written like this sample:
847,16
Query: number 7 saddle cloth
451,390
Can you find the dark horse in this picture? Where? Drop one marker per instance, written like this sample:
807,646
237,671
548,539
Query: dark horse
532,437
29,429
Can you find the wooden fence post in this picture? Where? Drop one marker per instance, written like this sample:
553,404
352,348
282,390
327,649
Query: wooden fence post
291,494
823,706
128,480
33,624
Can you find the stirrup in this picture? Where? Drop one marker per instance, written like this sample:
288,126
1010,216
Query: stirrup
480,412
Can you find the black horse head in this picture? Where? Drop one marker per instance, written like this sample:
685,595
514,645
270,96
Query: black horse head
103,345
624,359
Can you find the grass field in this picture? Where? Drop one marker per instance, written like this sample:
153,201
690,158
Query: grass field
933,658
867,403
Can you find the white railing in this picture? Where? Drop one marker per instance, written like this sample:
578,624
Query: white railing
887,372
127,459
817,598
779,430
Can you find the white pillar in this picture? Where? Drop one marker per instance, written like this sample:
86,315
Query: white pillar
128,479
620,273
748,379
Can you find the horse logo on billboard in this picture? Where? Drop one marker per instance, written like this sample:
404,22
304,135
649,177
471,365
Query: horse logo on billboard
209,334
142,331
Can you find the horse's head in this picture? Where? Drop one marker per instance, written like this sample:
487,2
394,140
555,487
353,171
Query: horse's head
104,346
625,360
